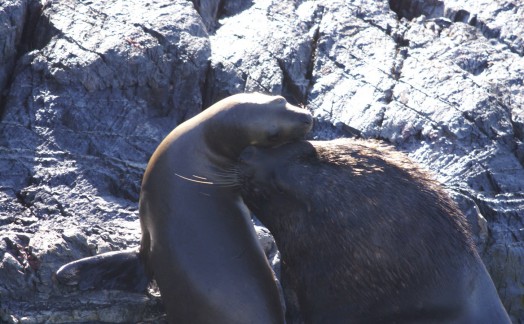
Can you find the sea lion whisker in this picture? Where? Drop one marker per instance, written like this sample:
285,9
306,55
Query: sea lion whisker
203,178
224,175
224,172
193,180
232,182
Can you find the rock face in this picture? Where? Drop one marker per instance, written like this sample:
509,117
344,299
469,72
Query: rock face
88,89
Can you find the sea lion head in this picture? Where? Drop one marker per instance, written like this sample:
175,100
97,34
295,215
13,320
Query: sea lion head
277,174
258,119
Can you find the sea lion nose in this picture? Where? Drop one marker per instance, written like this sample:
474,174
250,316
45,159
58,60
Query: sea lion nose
307,119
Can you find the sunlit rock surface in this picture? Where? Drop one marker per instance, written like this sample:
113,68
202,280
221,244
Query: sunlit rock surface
88,89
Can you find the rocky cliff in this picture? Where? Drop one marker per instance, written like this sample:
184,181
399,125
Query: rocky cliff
88,89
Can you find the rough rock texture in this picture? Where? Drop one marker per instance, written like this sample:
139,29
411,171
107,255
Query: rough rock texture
88,89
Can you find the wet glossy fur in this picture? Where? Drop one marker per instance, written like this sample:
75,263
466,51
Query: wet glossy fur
198,241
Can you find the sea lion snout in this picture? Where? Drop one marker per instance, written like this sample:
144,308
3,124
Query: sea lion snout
300,123
303,114
307,118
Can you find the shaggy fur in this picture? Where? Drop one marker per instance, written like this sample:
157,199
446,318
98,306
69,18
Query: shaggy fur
365,235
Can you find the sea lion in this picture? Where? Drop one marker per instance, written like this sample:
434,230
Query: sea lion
198,241
366,236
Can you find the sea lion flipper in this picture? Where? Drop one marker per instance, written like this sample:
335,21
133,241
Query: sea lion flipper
122,270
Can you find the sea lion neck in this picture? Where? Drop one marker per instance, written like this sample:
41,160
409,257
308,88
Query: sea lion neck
226,135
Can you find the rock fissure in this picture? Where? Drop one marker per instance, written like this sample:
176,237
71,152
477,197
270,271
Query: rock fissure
290,89
401,53
155,34
315,33
313,56
82,47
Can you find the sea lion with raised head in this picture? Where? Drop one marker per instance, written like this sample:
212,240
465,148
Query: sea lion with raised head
198,241
366,236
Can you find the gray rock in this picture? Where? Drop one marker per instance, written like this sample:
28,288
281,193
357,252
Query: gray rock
503,22
12,20
88,90
208,10
271,55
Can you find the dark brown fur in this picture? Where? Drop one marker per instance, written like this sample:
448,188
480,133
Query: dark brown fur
366,235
